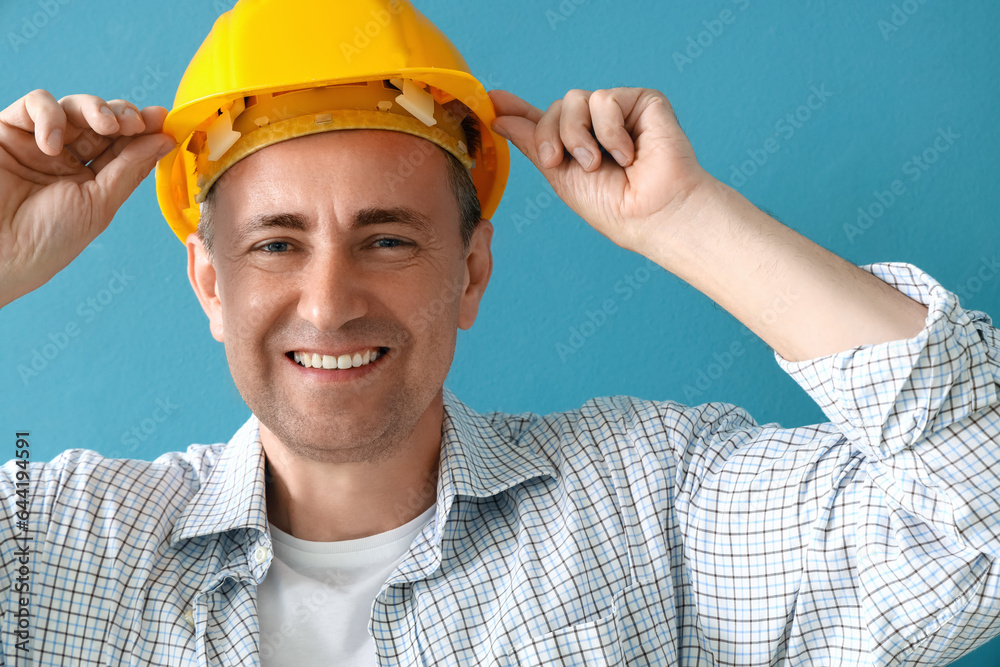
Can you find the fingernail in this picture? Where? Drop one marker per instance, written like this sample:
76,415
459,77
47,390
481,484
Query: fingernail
133,113
107,111
55,139
584,157
546,152
619,157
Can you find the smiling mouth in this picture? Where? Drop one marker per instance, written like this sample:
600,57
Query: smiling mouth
342,362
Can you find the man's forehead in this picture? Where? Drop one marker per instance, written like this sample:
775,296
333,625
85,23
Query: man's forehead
389,177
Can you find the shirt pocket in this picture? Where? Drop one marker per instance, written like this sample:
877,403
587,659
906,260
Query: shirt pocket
639,629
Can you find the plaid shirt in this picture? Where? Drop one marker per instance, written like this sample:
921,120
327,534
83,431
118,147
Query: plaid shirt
625,532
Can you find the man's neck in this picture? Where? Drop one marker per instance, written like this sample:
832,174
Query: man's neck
330,502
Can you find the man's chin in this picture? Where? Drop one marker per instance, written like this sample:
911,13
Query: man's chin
328,428
335,438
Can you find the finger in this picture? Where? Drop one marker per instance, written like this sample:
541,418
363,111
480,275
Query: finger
129,119
38,113
89,145
116,148
89,112
515,120
608,109
548,140
123,167
509,104
575,125
22,156
521,132
95,124
152,118
53,173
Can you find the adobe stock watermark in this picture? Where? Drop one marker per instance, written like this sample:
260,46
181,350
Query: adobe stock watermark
914,169
476,101
986,272
698,44
723,362
145,429
898,17
625,289
34,22
21,619
410,163
272,644
87,311
151,78
364,34
562,12
784,129
533,207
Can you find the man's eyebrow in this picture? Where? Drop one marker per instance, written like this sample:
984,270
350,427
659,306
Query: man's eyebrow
367,217
400,214
267,221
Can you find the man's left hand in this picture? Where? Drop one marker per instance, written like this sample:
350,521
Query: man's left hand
617,157
652,197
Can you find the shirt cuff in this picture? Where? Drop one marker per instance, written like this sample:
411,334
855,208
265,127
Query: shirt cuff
888,397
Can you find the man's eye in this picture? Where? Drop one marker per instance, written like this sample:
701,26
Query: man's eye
390,243
275,247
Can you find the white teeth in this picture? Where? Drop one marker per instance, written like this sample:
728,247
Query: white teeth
344,361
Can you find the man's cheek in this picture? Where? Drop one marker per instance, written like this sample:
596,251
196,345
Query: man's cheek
444,307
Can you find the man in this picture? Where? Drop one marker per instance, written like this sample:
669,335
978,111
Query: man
627,532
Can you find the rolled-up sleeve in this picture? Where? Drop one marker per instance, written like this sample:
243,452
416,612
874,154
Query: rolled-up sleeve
924,414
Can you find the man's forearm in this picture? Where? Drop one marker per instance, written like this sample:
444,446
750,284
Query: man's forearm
801,299
655,199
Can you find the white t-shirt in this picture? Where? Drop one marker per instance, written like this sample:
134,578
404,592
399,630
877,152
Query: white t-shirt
316,599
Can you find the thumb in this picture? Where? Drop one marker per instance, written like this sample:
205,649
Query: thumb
119,178
521,132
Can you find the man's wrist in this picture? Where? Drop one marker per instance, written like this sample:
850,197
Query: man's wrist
697,230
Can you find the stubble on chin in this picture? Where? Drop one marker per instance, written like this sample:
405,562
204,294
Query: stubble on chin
372,438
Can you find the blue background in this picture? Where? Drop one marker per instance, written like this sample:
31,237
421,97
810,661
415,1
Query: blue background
890,93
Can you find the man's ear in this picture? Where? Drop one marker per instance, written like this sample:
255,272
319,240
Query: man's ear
478,268
201,273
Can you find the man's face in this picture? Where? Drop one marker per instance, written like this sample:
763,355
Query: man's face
322,249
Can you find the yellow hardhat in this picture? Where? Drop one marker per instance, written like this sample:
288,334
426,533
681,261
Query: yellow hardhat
272,70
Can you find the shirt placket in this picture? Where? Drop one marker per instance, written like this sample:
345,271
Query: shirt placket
394,623
231,595
394,627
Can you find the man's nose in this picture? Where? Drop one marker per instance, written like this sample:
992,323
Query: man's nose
332,291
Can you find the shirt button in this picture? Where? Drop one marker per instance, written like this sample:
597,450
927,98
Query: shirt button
260,554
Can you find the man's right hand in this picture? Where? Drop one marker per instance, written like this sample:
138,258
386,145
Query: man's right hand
66,167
